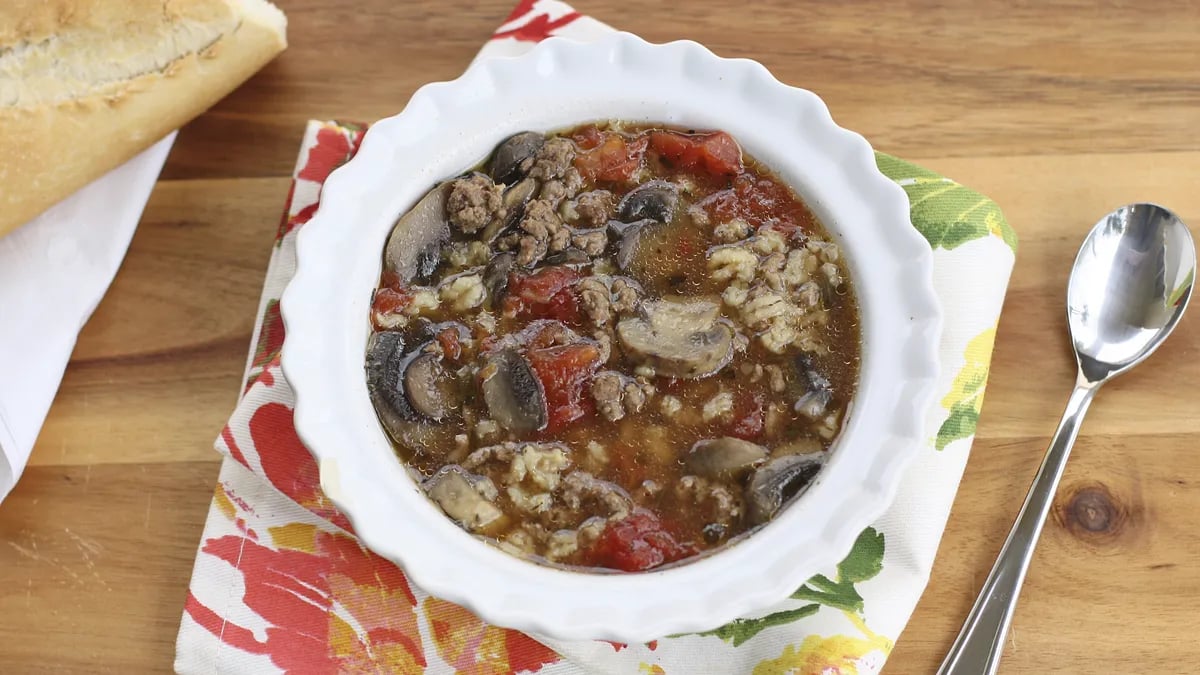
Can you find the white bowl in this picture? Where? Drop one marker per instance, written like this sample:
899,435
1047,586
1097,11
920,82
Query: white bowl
450,126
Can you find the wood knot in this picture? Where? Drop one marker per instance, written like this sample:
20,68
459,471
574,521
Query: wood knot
1091,513
1093,510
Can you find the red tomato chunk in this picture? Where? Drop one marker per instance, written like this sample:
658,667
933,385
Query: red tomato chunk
716,153
546,294
638,542
615,160
564,372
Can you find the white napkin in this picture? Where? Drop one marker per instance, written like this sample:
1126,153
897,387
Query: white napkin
53,272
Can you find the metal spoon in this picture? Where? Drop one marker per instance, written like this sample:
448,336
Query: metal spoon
1130,284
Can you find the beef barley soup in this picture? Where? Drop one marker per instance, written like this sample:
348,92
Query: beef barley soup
612,348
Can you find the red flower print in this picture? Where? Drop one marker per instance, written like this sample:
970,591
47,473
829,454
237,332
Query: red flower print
332,149
473,647
335,145
538,28
332,606
270,337
285,461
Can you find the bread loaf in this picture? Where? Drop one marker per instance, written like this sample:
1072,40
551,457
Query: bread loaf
87,84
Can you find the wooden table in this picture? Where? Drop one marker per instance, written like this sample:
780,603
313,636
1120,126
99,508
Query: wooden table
1060,111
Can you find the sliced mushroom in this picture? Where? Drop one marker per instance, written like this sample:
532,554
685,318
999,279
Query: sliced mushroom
678,338
655,200
628,237
407,386
818,391
495,275
386,358
453,489
568,256
515,155
724,457
414,247
429,388
513,393
515,198
775,483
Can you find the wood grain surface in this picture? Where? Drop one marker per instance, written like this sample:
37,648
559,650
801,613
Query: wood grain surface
1058,110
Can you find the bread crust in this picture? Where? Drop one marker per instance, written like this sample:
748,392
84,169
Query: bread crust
55,137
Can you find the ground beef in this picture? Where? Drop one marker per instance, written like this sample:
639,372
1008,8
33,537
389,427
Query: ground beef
544,231
591,242
595,208
594,297
625,294
553,160
555,190
607,390
582,492
474,202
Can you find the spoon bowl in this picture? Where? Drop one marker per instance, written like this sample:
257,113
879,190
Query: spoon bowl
1131,281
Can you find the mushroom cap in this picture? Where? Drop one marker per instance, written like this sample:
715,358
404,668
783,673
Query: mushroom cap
681,339
513,393
778,481
724,457
414,247
514,157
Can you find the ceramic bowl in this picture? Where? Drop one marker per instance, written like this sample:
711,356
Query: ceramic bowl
450,126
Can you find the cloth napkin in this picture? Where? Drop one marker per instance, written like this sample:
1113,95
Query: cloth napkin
53,272
281,585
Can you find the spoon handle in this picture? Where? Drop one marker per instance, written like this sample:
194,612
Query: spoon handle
977,649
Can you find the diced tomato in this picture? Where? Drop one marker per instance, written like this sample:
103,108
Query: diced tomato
588,137
722,206
390,280
543,284
759,201
564,371
548,293
716,153
448,339
616,159
637,542
748,416
388,301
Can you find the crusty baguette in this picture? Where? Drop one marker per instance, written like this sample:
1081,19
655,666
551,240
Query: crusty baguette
87,84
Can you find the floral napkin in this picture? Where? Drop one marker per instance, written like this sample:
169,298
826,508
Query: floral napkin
281,585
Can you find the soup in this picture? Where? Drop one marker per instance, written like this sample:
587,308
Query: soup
615,347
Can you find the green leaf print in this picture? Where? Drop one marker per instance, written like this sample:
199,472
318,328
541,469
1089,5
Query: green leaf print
947,214
865,559
740,630
863,562
965,398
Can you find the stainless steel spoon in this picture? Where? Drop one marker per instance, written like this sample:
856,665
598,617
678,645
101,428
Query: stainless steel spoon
1130,284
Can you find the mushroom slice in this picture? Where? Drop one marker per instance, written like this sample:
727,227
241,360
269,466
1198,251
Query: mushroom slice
414,247
514,157
628,237
513,393
725,457
429,388
655,200
495,275
818,392
407,386
569,256
779,480
453,489
386,359
678,338
515,198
